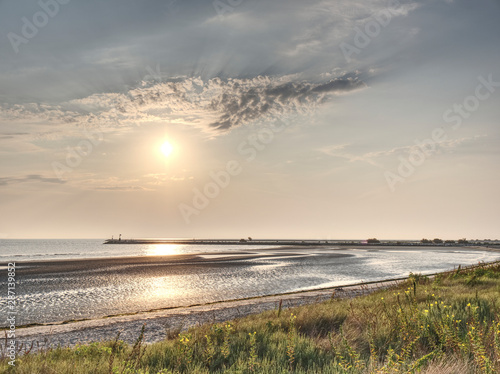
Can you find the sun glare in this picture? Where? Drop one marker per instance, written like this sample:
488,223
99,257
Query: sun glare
166,149
163,250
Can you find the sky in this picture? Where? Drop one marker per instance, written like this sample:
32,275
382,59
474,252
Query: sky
322,119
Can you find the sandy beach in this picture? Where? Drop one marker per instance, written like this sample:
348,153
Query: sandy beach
61,290
158,323
55,291
76,301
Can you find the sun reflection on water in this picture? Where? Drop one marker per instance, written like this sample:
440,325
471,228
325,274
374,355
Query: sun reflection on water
164,250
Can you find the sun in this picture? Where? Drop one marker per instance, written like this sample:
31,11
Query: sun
166,149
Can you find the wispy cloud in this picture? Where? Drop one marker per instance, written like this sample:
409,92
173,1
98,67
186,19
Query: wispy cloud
161,178
377,158
29,178
92,181
12,135
121,188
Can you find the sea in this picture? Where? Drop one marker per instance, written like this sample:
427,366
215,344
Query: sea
252,270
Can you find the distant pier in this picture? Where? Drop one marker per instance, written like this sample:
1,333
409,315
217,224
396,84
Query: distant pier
223,242
295,242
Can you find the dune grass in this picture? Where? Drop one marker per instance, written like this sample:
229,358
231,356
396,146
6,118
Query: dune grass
448,324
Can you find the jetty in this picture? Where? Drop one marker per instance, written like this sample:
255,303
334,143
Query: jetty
223,242
301,243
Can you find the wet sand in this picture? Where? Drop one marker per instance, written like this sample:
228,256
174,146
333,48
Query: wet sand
149,263
159,322
53,291
59,290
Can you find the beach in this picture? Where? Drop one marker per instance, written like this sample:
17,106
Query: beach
60,290
54,291
332,322
161,323
73,301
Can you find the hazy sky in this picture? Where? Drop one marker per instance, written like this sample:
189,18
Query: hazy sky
286,118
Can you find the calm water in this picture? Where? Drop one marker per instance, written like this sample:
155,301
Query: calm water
60,249
130,288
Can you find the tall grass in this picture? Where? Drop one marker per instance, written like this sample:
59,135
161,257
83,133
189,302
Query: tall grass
448,324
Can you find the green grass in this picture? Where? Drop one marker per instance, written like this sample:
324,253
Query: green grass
449,324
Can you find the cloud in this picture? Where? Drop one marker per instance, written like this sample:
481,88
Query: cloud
12,134
36,113
215,105
241,103
93,181
29,178
122,188
333,150
376,157
323,25
160,178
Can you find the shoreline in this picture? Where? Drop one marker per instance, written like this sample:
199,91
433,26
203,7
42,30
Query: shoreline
161,322
107,285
